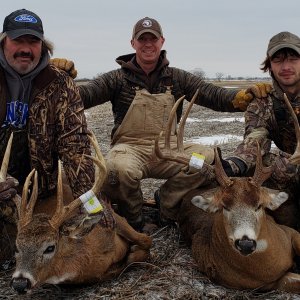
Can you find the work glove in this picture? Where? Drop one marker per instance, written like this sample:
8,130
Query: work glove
66,65
8,188
244,97
284,171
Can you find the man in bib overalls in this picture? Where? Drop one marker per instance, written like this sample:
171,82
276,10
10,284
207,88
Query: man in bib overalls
142,93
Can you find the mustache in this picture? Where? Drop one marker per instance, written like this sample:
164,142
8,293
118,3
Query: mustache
23,54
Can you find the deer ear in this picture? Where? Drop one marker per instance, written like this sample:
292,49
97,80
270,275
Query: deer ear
79,225
205,203
275,198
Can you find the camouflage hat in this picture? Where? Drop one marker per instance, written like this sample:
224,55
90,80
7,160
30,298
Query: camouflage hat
146,25
282,40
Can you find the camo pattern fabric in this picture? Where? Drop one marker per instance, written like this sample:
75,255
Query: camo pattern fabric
268,120
119,86
56,129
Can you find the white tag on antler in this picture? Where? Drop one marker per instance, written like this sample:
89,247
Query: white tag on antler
91,202
197,161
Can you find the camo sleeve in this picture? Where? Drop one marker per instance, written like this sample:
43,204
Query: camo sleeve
257,130
73,141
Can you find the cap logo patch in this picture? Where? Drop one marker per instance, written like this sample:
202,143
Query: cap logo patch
25,19
147,23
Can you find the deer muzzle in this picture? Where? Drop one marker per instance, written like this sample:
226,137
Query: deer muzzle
21,285
245,245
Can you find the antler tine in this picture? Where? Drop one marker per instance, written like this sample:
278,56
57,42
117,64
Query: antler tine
295,158
25,209
5,161
167,153
99,160
171,155
59,211
221,175
180,132
172,116
62,212
261,173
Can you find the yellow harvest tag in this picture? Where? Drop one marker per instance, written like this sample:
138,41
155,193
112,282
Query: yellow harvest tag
91,202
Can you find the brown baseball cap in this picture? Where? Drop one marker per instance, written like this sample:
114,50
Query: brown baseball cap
146,25
282,40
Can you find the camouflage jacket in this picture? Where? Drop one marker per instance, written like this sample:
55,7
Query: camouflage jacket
118,87
268,120
56,129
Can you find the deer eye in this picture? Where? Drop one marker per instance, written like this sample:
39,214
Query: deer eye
258,207
226,208
49,249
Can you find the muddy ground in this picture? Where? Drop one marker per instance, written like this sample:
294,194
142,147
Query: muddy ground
170,273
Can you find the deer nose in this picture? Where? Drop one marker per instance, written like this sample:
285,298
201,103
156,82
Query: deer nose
245,245
21,285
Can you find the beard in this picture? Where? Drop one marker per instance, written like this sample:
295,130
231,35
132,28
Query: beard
20,66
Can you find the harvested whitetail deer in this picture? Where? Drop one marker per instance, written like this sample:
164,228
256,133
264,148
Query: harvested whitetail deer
50,249
234,242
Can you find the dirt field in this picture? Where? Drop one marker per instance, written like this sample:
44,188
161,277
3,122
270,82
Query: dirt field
171,272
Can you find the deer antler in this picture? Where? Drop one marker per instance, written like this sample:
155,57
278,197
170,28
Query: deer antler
295,158
25,209
166,153
63,212
5,161
221,175
261,173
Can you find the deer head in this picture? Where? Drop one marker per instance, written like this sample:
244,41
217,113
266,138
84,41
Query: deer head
242,202
40,242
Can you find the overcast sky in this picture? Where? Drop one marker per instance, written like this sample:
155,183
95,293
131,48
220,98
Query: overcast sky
215,35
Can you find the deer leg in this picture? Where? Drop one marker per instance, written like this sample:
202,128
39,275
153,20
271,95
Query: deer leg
128,233
290,283
137,254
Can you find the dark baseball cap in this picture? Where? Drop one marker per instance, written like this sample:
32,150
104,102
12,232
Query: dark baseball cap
22,22
282,40
146,25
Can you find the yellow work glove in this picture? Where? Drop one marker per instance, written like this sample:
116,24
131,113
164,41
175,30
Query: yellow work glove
244,97
66,65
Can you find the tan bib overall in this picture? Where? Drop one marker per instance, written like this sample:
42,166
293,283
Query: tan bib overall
132,158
